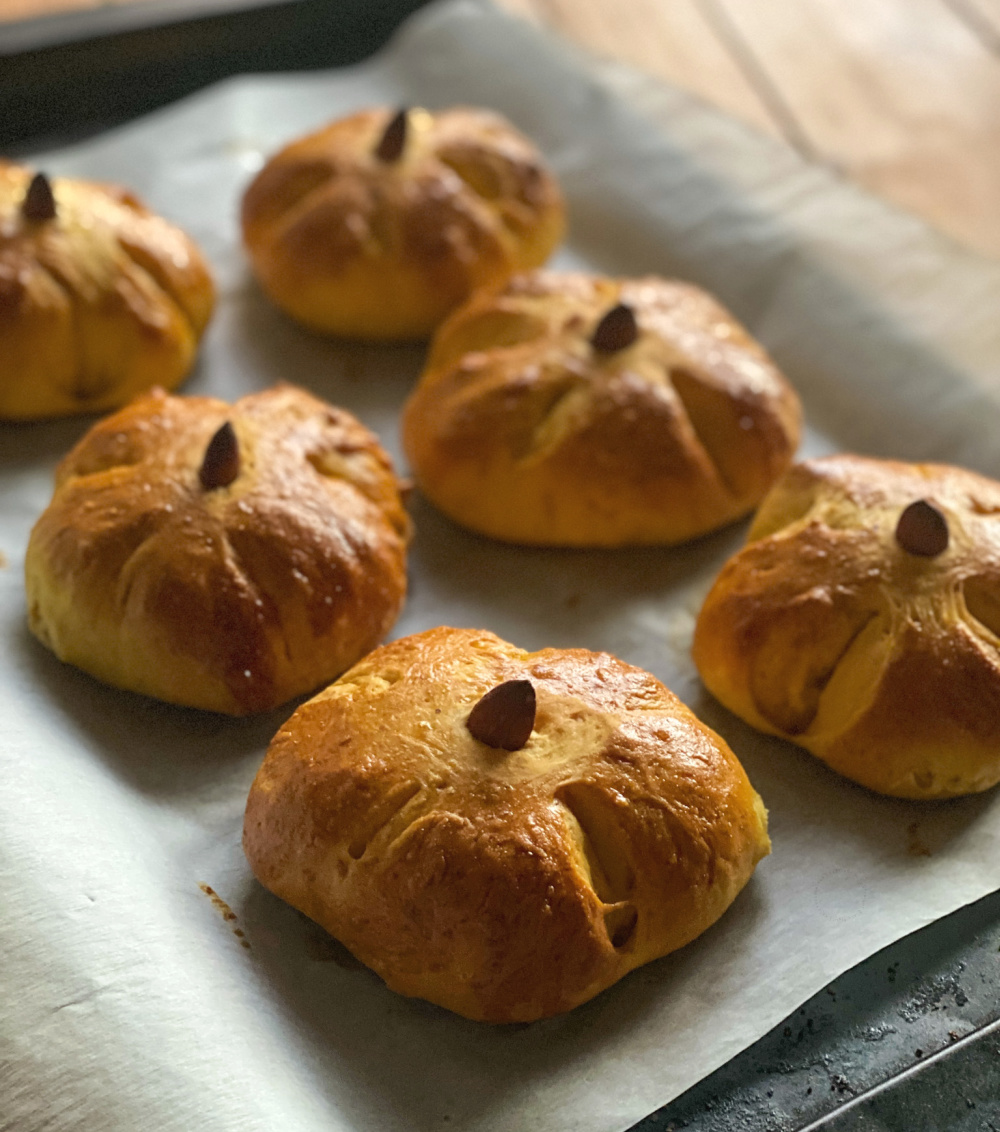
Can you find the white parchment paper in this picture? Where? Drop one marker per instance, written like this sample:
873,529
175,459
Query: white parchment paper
129,1001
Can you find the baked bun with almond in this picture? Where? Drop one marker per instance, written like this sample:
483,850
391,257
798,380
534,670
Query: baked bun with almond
862,621
220,556
578,410
500,832
100,300
379,224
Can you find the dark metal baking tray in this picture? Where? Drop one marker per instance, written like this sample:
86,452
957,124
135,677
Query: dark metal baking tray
67,76
907,1041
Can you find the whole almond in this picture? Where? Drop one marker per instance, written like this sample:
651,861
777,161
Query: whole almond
221,464
616,330
505,716
393,141
922,530
39,203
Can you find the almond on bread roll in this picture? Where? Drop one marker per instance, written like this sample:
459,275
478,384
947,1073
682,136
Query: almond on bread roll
862,622
500,832
100,299
379,224
226,557
578,410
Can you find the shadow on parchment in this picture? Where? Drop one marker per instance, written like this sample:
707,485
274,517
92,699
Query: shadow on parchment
369,379
428,1067
795,783
561,598
30,443
169,752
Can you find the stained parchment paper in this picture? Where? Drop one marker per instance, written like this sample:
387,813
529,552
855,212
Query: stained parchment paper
129,1000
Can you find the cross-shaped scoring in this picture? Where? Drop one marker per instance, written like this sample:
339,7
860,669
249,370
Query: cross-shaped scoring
221,556
577,410
504,884
100,299
862,621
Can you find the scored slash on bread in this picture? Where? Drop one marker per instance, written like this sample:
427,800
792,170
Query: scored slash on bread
226,557
862,622
506,877
100,299
577,410
379,224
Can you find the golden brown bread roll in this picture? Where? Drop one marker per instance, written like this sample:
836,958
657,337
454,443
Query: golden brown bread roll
576,410
862,621
99,299
503,833
378,225
221,556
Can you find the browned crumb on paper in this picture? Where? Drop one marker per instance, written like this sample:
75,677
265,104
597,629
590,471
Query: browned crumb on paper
4,562
226,913
914,846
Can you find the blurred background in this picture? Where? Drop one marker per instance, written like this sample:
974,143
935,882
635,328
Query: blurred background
902,96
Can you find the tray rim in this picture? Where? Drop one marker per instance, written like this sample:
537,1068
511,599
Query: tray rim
107,20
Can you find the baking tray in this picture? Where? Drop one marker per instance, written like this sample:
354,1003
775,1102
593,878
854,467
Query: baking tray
909,1039
67,76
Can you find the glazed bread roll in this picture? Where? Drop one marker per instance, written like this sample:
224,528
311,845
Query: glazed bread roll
221,556
503,833
381,223
576,410
99,299
862,621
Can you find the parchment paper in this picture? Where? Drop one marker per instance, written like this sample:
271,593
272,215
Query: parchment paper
129,1001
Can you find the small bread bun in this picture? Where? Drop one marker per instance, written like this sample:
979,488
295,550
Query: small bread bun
380,224
221,556
576,410
500,832
99,299
862,621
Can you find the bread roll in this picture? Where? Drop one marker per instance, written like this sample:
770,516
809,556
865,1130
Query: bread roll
501,832
862,621
379,224
221,556
99,299
576,410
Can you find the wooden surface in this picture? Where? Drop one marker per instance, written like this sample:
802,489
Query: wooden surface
903,96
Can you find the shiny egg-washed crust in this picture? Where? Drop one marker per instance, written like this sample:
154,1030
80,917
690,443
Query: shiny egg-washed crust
353,245
884,664
504,885
521,429
233,599
97,305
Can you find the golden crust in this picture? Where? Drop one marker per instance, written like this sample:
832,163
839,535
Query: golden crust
883,663
233,599
506,886
99,304
521,429
353,245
